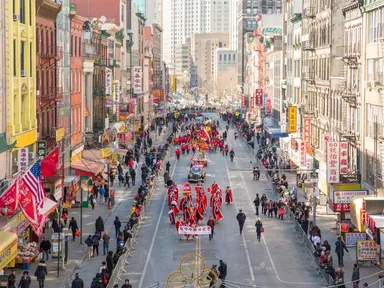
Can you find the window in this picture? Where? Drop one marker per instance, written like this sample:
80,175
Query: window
234,57
22,11
229,57
47,42
71,45
14,58
122,12
221,58
30,60
37,41
22,55
48,88
79,46
249,11
53,41
75,47
225,57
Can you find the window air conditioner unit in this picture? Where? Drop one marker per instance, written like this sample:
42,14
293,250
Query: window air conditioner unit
23,73
16,17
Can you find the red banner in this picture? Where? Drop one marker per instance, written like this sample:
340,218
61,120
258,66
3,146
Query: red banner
29,208
268,106
10,199
243,100
161,95
49,164
252,104
132,104
307,130
259,97
156,96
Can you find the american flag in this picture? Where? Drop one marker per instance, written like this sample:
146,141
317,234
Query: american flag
34,182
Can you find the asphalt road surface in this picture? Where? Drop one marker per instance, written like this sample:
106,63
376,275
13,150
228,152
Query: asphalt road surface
279,260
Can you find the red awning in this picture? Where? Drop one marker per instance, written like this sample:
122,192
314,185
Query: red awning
84,167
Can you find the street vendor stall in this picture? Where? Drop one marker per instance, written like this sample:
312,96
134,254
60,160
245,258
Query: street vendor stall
8,248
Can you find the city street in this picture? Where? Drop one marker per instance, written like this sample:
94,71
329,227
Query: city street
277,261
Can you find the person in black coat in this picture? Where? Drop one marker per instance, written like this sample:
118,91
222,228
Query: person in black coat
222,270
77,282
340,247
133,175
25,281
99,226
40,273
257,203
12,279
73,227
109,261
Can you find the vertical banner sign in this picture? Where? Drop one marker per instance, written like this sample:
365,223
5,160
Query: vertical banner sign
259,97
268,106
252,104
155,96
283,122
174,84
326,139
307,130
161,95
132,104
333,162
23,159
108,81
302,153
265,100
137,79
292,119
343,158
41,148
243,101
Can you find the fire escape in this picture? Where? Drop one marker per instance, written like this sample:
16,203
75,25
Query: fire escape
50,94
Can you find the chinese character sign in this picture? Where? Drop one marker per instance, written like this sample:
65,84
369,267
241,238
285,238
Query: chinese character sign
23,159
292,118
326,139
41,149
174,84
137,79
333,162
108,81
307,130
243,100
366,250
343,158
302,154
268,106
259,97
283,122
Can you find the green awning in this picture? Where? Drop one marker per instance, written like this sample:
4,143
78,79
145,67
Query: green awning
3,143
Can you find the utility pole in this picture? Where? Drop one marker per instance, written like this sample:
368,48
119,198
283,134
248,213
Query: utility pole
376,157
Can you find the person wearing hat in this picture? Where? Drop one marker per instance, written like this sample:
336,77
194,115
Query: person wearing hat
241,219
77,282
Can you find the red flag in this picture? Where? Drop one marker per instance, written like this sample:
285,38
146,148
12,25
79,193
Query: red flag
28,206
10,199
49,164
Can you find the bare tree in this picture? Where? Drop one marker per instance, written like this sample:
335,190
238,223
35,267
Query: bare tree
225,84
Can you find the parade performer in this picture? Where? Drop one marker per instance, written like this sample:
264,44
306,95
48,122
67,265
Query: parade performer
172,215
191,214
179,223
228,195
216,209
198,214
184,202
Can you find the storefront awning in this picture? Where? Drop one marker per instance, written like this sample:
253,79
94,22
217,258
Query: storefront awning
120,151
84,167
274,132
8,248
48,206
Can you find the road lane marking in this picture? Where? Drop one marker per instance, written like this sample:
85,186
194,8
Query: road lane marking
155,234
264,241
242,236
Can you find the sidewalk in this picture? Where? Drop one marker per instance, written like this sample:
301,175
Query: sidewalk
327,224
77,256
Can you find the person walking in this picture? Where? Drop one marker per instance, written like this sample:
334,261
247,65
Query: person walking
92,200
212,275
99,226
117,224
73,227
356,276
106,239
41,272
109,261
133,175
127,176
257,204
259,228
241,219
222,272
126,284
339,278
96,242
77,282
211,223
89,243
45,248
12,280
340,247
25,280
101,192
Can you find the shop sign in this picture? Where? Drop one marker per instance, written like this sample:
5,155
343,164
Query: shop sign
105,152
292,119
174,83
333,162
283,122
108,80
352,238
41,148
366,250
343,197
161,95
60,134
17,224
302,154
155,96
309,161
343,158
326,139
259,97
307,130
58,189
268,106
253,99
243,100
75,153
8,254
344,227
137,79
23,159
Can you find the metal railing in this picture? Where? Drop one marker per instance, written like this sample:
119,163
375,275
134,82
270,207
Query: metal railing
129,245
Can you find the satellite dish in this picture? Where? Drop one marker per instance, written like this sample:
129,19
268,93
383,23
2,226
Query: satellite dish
103,19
